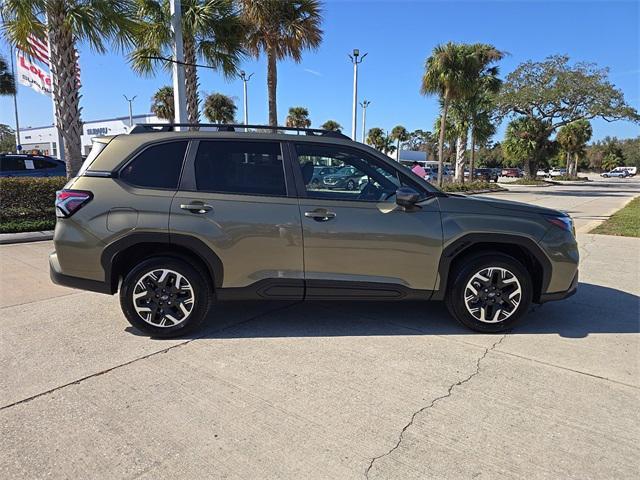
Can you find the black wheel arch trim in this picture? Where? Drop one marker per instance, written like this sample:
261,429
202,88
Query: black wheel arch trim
462,245
194,245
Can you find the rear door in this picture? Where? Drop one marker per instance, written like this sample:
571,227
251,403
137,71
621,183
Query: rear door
357,241
238,198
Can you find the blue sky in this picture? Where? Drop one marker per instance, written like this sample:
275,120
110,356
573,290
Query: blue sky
398,36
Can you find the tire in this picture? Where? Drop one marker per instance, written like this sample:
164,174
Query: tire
184,308
500,312
351,185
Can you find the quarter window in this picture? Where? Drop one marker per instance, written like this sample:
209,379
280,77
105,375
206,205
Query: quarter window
156,167
249,168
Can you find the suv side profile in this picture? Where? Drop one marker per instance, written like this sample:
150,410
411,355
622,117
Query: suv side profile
177,221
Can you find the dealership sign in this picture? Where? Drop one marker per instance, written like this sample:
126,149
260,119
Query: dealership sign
33,76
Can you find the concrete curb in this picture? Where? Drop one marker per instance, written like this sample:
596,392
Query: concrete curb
24,237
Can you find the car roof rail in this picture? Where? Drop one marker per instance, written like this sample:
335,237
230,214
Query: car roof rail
232,127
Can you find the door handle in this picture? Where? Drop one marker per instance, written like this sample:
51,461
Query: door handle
320,215
197,207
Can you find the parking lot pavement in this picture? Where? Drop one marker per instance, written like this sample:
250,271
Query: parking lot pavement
325,390
587,203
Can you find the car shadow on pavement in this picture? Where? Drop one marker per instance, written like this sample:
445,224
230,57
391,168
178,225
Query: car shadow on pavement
593,310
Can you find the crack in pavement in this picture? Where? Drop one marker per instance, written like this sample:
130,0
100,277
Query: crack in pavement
152,354
433,402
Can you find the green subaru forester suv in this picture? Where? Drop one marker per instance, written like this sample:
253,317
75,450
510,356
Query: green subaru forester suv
177,221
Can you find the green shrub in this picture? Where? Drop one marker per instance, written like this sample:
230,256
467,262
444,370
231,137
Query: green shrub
476,185
567,178
27,204
529,181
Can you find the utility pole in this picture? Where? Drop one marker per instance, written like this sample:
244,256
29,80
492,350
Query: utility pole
179,97
245,79
356,59
15,100
364,104
130,100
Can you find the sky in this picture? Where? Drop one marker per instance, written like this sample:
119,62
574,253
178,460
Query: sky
398,37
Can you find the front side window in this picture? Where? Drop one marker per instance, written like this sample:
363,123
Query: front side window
346,174
246,168
157,166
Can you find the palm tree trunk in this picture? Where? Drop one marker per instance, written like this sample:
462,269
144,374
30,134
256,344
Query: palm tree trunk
569,166
272,83
472,163
66,95
443,123
398,151
191,81
460,151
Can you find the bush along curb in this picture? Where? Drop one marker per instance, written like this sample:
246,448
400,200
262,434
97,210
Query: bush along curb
24,237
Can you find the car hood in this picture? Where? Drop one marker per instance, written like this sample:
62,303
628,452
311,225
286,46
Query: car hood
481,204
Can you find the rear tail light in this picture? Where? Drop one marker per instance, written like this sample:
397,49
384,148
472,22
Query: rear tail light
564,223
69,202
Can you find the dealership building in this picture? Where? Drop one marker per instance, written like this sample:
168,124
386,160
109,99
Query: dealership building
43,139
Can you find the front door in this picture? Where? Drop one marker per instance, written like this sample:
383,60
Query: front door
357,241
234,198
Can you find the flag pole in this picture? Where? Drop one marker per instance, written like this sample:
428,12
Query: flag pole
15,99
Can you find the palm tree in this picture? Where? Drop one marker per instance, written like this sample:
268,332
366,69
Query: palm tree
298,117
527,141
331,125
281,29
482,129
68,22
219,108
378,139
7,82
211,32
450,72
573,139
162,105
400,135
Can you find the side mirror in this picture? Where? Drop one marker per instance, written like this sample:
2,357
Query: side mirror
407,197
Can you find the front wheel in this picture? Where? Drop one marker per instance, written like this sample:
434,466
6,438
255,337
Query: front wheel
489,292
165,297
351,185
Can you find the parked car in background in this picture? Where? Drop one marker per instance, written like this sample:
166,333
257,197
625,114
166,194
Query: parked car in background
485,174
511,172
319,173
616,173
557,172
346,178
630,170
23,165
542,173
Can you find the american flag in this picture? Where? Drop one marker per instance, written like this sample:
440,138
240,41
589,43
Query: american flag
40,51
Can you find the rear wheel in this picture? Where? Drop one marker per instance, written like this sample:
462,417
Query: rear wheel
165,297
489,292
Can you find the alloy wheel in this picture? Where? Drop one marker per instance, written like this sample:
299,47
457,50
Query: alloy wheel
492,295
163,298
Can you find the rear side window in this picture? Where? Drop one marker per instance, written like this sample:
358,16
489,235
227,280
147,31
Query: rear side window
12,163
249,168
156,167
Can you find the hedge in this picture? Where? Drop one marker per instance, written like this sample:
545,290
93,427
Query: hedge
27,203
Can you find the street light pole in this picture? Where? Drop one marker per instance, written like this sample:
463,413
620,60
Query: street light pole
179,97
356,59
245,78
130,100
364,104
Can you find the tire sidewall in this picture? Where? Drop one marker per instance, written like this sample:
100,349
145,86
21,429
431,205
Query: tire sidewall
455,296
201,291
